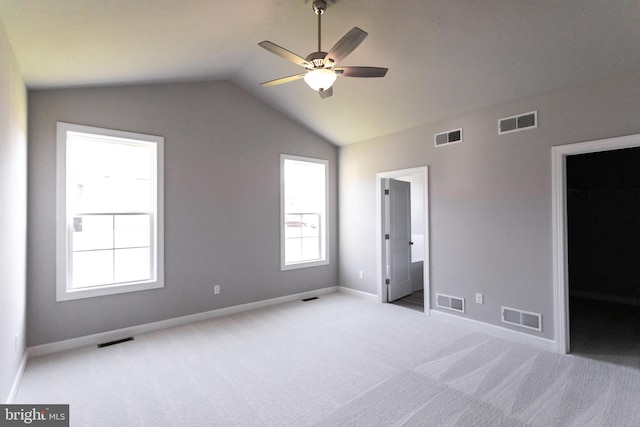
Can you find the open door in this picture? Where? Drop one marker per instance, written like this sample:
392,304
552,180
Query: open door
397,206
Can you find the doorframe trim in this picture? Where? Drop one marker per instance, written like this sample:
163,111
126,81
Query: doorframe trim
559,225
424,171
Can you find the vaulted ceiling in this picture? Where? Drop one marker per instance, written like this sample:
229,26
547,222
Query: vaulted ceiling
445,57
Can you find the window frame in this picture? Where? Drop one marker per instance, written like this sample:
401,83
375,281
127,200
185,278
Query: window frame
324,220
64,236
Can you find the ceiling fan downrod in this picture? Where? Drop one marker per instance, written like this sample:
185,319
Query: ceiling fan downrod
319,6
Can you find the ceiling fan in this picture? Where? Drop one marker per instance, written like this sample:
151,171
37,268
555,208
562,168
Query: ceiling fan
321,71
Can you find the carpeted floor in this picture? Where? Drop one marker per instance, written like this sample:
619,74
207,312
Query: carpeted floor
339,360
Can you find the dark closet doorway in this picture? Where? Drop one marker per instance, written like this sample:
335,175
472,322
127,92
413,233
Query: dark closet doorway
603,225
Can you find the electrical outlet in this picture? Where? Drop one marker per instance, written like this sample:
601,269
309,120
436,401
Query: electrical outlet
361,274
216,289
479,299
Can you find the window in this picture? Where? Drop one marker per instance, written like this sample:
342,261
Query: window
303,212
110,217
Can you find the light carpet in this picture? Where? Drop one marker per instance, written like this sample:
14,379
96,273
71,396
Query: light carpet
339,360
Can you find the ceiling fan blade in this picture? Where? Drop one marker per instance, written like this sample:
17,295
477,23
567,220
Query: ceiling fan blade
326,93
282,80
284,53
361,71
345,45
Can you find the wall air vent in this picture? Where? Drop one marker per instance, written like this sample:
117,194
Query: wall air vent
450,137
524,319
450,303
517,123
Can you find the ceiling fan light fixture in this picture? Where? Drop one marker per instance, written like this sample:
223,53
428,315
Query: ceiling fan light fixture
320,79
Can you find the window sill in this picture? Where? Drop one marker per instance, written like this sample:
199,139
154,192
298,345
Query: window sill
303,264
75,294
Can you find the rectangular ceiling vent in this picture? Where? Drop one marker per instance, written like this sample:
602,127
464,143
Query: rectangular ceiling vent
450,303
450,137
524,319
517,123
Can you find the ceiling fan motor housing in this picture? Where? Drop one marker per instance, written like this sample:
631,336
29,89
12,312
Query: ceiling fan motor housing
317,59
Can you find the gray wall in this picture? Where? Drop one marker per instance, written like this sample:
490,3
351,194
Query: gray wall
13,215
490,196
222,178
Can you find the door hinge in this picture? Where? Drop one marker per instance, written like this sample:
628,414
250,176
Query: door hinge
387,282
386,237
386,192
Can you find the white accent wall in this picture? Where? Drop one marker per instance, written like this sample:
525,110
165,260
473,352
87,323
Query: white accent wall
13,217
222,183
490,207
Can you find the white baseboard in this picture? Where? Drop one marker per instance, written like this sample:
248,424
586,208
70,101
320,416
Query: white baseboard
357,293
17,379
95,339
498,331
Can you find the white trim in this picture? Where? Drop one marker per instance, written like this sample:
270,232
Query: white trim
95,339
13,392
358,293
324,237
63,268
559,228
497,331
380,270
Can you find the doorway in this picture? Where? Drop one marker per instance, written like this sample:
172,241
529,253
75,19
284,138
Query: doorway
603,241
417,178
560,230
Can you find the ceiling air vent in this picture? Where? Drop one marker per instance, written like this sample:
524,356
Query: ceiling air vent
449,137
522,318
519,122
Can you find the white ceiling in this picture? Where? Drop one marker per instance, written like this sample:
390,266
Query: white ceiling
445,57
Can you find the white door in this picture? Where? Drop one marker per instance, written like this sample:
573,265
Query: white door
397,200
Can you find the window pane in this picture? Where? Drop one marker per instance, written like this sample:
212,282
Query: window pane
139,196
292,250
91,232
92,268
132,231
109,176
310,225
293,226
132,265
304,186
310,248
